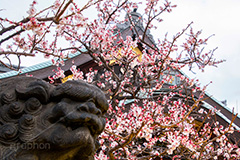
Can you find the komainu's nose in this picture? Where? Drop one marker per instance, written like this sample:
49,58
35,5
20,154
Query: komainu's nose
89,107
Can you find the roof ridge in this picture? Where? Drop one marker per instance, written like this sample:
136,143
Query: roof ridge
34,67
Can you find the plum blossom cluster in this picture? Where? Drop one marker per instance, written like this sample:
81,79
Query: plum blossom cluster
37,27
59,73
32,9
149,130
77,74
41,31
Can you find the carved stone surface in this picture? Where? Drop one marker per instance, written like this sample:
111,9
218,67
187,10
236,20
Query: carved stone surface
42,121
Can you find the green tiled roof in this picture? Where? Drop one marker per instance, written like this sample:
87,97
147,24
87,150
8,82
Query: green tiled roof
32,68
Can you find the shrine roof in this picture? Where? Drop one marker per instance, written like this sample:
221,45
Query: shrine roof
36,67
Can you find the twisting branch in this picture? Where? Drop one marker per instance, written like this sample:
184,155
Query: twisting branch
57,17
126,142
11,36
8,66
154,17
170,49
16,53
83,8
113,12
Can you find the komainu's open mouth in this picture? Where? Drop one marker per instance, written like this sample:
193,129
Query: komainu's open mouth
72,118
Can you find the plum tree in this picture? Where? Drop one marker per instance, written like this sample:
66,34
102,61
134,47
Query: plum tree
154,111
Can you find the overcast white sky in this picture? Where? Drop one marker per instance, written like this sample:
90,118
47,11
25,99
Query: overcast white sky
219,17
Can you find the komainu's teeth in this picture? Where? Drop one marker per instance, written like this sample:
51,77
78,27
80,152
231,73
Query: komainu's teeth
87,119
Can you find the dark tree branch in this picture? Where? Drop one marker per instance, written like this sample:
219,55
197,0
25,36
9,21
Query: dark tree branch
11,36
16,53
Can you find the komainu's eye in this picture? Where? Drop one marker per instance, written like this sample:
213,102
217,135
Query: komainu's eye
91,100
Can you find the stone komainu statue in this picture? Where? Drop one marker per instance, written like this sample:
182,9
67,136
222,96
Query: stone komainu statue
39,121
